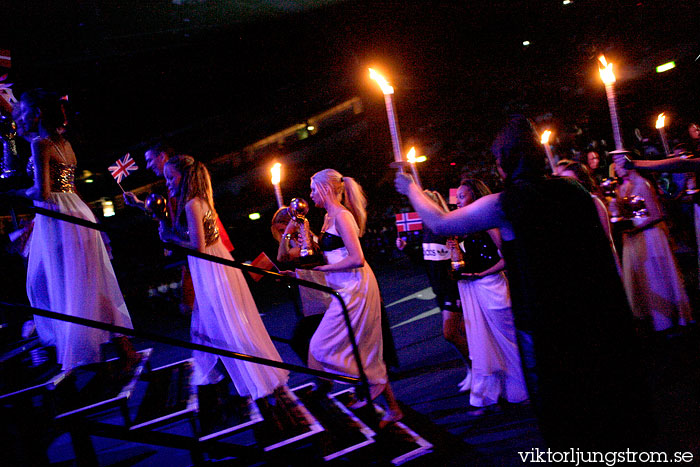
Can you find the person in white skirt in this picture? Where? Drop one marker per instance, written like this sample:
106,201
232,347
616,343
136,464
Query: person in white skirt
226,315
69,270
483,289
348,273
654,286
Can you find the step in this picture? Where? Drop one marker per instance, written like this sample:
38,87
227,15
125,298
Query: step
169,396
396,443
18,371
235,415
97,387
285,420
344,432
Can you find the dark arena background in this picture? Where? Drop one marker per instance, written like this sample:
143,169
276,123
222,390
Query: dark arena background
241,85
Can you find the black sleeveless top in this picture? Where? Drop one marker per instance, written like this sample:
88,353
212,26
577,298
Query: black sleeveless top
330,242
480,253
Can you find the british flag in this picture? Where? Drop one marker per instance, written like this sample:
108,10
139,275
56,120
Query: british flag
408,221
123,167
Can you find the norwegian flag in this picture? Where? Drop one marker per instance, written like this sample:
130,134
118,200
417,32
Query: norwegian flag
408,221
123,167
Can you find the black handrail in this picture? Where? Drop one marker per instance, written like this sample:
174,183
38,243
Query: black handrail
364,383
172,341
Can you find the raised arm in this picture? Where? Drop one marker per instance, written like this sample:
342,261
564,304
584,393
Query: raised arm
132,200
483,214
673,164
289,246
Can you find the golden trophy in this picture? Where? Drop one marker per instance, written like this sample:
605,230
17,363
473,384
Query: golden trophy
310,253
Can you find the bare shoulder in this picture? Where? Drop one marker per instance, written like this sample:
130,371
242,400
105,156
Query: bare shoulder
196,205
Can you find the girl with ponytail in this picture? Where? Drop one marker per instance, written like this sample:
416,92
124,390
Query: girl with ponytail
349,274
225,315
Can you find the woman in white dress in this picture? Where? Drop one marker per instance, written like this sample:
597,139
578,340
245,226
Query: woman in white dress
653,284
69,270
349,274
493,349
226,315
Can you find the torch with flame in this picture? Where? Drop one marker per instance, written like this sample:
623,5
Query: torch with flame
411,158
388,92
660,123
548,150
276,172
608,77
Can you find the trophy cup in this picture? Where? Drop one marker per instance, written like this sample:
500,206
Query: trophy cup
608,186
310,254
157,207
457,263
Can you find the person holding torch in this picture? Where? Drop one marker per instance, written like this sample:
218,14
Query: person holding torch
573,323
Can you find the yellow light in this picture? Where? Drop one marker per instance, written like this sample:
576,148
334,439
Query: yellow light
386,88
107,208
276,171
421,159
606,71
89,180
254,216
666,67
310,128
660,120
411,156
545,137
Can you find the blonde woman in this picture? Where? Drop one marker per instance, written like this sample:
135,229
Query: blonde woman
226,314
349,274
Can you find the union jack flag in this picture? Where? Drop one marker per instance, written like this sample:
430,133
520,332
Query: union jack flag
408,221
123,167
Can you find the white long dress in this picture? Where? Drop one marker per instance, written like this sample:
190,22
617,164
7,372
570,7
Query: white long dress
226,317
69,272
488,319
650,275
330,349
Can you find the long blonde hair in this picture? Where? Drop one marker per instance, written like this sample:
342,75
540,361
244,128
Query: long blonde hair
438,199
349,191
195,182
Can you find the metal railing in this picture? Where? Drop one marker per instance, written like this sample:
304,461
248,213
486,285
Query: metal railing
362,380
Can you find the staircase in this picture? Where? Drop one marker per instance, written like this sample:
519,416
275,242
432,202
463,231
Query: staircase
160,407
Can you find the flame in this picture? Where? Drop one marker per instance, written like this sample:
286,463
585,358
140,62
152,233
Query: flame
386,88
660,120
606,72
545,137
276,173
411,156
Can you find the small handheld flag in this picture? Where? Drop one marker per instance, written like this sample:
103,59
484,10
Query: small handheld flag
122,168
408,221
263,262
